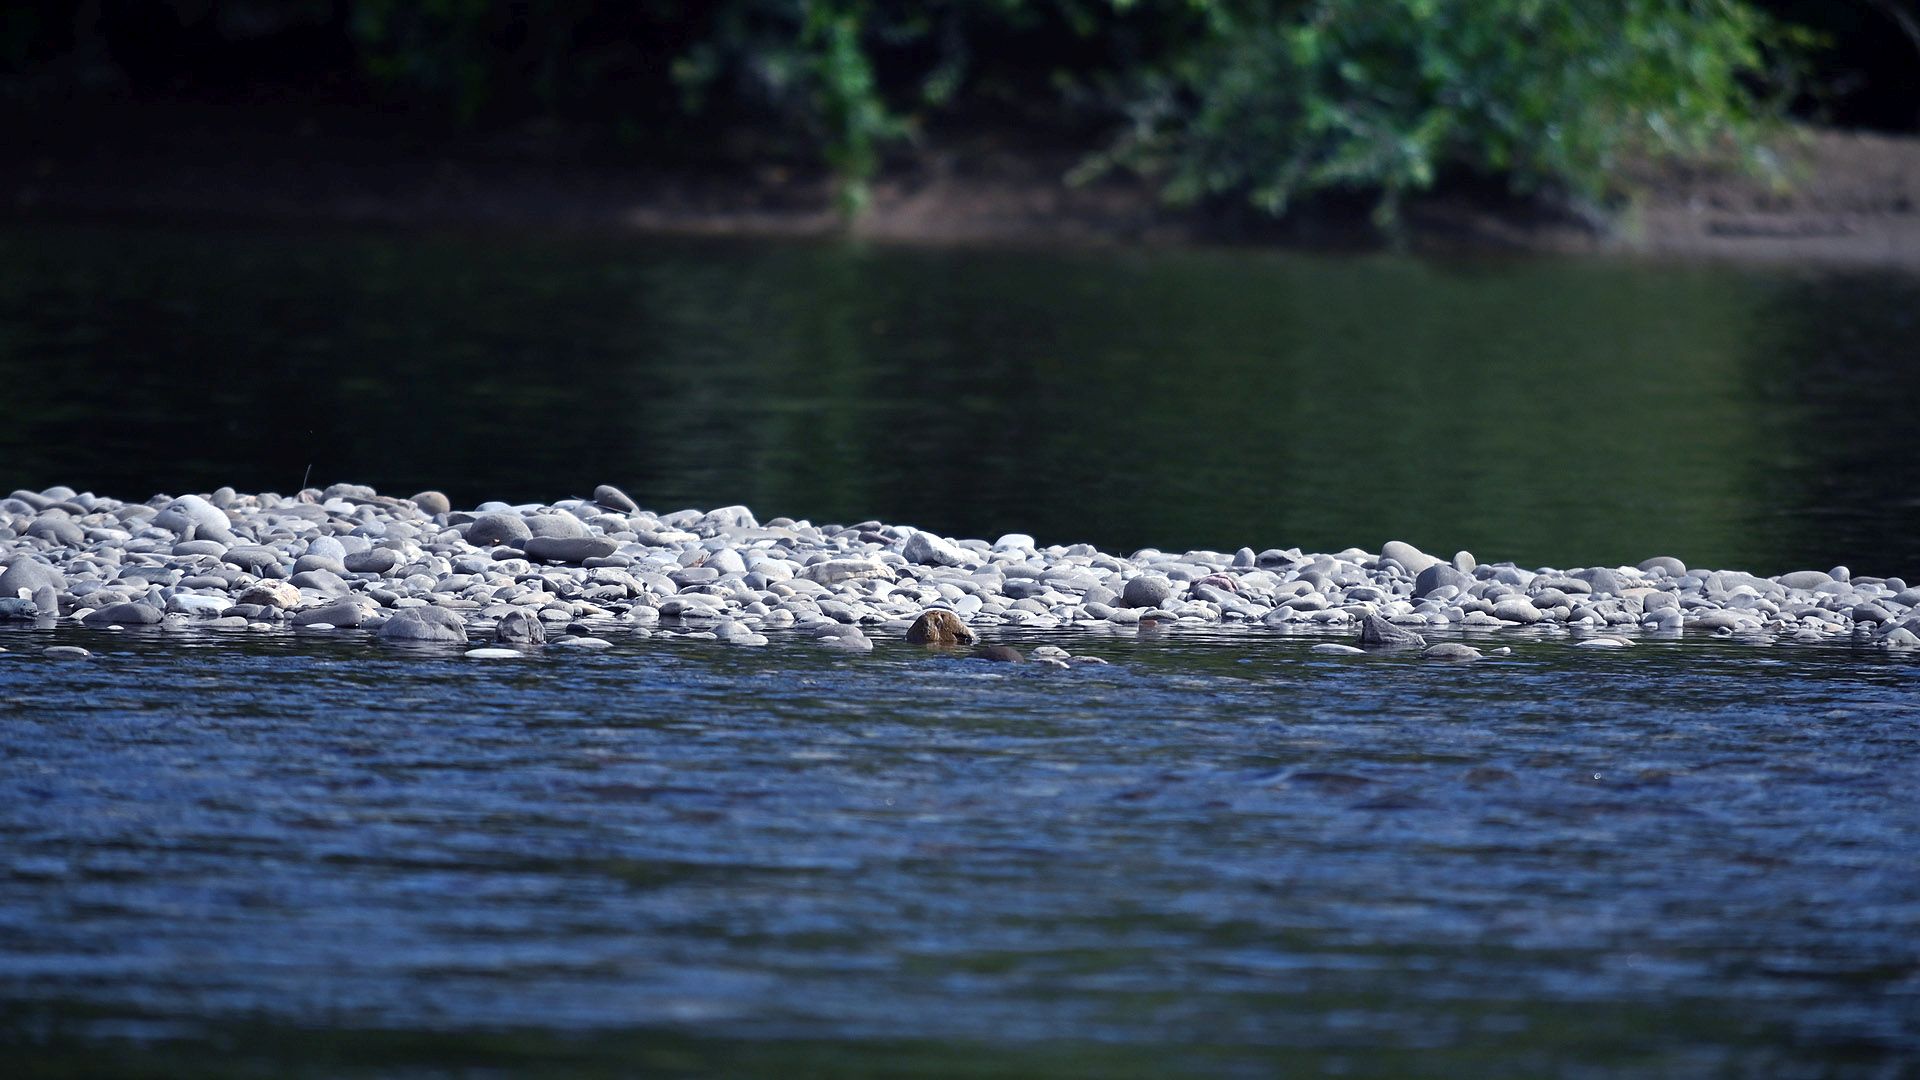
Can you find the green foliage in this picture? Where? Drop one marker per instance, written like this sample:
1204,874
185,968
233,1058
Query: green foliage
1271,100
1286,99
436,46
1264,100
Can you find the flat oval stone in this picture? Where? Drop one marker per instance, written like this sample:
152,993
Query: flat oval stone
1517,609
250,557
131,614
348,613
372,561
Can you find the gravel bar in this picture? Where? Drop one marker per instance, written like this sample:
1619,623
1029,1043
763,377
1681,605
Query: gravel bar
579,572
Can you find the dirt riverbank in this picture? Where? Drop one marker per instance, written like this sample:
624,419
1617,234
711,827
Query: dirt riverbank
1855,199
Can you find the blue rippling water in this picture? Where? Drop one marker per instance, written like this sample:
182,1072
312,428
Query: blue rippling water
1218,853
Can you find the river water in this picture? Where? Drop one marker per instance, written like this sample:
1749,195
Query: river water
1218,854
1561,413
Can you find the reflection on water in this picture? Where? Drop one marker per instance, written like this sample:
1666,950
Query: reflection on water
1221,853
1554,412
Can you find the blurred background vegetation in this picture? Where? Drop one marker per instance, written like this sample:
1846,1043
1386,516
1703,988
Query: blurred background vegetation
1258,102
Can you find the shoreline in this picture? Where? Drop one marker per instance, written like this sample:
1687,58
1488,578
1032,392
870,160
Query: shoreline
1856,202
574,573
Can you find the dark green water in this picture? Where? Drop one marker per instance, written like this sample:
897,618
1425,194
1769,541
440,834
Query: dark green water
1552,412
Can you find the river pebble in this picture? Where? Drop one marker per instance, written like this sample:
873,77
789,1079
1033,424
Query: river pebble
419,569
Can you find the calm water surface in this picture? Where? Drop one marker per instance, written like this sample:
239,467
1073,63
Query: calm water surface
1551,412
1220,854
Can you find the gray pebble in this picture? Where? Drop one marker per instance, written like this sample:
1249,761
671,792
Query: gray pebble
133,614
520,627
569,549
1378,633
1147,591
614,499
426,624
377,560
26,572
556,525
490,529
1518,610
60,531
432,503
1407,555
348,613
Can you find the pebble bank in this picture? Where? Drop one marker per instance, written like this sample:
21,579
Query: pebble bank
580,572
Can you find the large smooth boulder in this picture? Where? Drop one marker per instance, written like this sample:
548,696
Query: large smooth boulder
274,594
1147,590
1440,575
1408,556
58,530
429,624
927,549
191,514
557,523
31,575
134,614
489,529
372,561
432,502
519,628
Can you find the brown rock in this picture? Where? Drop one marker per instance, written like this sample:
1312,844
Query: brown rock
938,626
999,652
432,502
277,594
